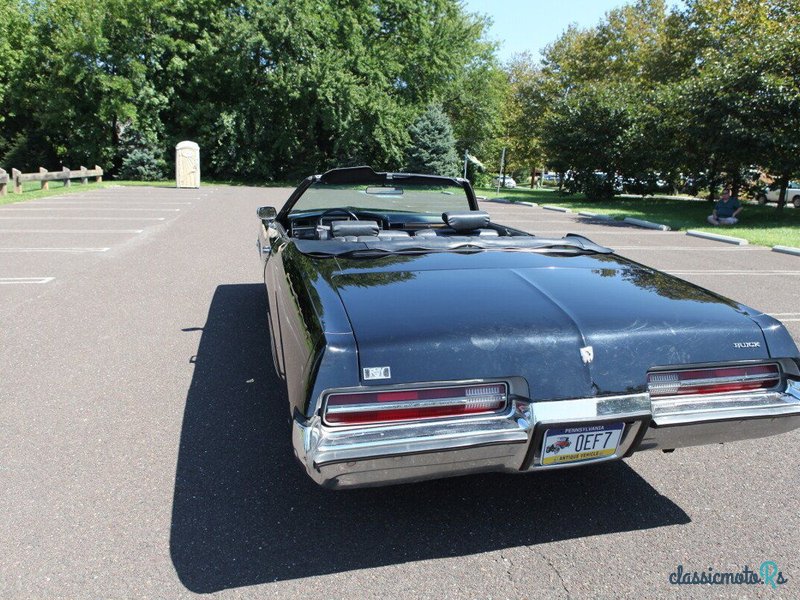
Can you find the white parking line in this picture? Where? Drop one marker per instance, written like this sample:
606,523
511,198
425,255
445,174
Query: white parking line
92,208
20,280
109,202
598,232
792,317
71,230
67,250
548,222
693,248
84,218
732,272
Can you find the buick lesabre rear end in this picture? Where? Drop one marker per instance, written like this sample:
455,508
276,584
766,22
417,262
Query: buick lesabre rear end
418,339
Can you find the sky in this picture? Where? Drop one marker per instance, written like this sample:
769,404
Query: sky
529,25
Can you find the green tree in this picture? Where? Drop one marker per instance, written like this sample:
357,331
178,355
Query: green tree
269,89
526,106
432,149
593,128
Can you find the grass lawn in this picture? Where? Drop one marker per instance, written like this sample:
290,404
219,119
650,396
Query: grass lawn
758,224
31,190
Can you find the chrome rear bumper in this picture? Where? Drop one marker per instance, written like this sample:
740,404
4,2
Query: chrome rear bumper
340,457
684,421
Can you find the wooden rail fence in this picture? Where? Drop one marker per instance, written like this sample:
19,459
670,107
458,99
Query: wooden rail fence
45,177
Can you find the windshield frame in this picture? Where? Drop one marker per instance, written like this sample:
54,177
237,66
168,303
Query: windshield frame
367,176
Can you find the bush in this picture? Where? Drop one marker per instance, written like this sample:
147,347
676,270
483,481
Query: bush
142,164
483,180
596,186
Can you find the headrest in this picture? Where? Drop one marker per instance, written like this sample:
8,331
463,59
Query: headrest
466,221
345,228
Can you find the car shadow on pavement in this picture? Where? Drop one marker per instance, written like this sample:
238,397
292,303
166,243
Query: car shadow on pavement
245,512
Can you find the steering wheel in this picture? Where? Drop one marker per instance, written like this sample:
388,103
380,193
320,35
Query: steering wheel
333,211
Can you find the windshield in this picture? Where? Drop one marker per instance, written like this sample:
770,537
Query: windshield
394,197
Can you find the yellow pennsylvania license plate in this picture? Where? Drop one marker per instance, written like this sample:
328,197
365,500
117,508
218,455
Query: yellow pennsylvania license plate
581,442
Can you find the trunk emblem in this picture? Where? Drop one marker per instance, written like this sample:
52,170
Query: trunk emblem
371,373
587,355
740,345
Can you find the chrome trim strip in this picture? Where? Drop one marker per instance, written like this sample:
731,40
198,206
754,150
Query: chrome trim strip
409,387
671,384
679,410
586,409
793,388
434,403
731,379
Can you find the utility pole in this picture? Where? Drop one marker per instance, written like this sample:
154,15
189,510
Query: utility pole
466,153
502,170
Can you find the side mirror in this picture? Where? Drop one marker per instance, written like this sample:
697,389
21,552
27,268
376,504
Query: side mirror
267,213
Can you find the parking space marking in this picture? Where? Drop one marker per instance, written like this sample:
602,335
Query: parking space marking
23,280
693,248
67,250
84,218
109,202
95,208
732,272
622,231
71,231
786,317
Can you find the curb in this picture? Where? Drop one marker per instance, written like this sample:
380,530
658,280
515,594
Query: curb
786,250
557,208
596,216
646,224
717,238
531,204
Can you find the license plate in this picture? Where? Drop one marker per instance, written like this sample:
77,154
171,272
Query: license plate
581,442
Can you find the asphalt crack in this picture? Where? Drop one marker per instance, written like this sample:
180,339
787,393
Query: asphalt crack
553,566
509,564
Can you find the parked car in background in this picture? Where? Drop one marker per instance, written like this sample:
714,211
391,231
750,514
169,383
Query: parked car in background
504,181
418,339
792,194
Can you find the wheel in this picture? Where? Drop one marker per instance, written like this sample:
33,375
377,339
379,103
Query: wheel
762,199
796,201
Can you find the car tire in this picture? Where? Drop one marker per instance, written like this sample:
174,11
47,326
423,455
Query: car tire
762,199
796,201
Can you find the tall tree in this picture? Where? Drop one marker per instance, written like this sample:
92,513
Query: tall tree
269,89
433,148
526,106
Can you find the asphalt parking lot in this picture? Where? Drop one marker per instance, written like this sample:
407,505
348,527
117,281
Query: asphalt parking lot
145,453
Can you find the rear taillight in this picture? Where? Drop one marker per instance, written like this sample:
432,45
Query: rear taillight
713,381
360,408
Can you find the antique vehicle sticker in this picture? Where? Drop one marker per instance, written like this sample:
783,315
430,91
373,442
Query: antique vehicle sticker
588,442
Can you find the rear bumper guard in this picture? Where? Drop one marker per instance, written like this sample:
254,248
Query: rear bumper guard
360,456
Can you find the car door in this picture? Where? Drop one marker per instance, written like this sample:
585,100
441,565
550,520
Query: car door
272,242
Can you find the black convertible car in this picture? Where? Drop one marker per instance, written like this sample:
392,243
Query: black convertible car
418,339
